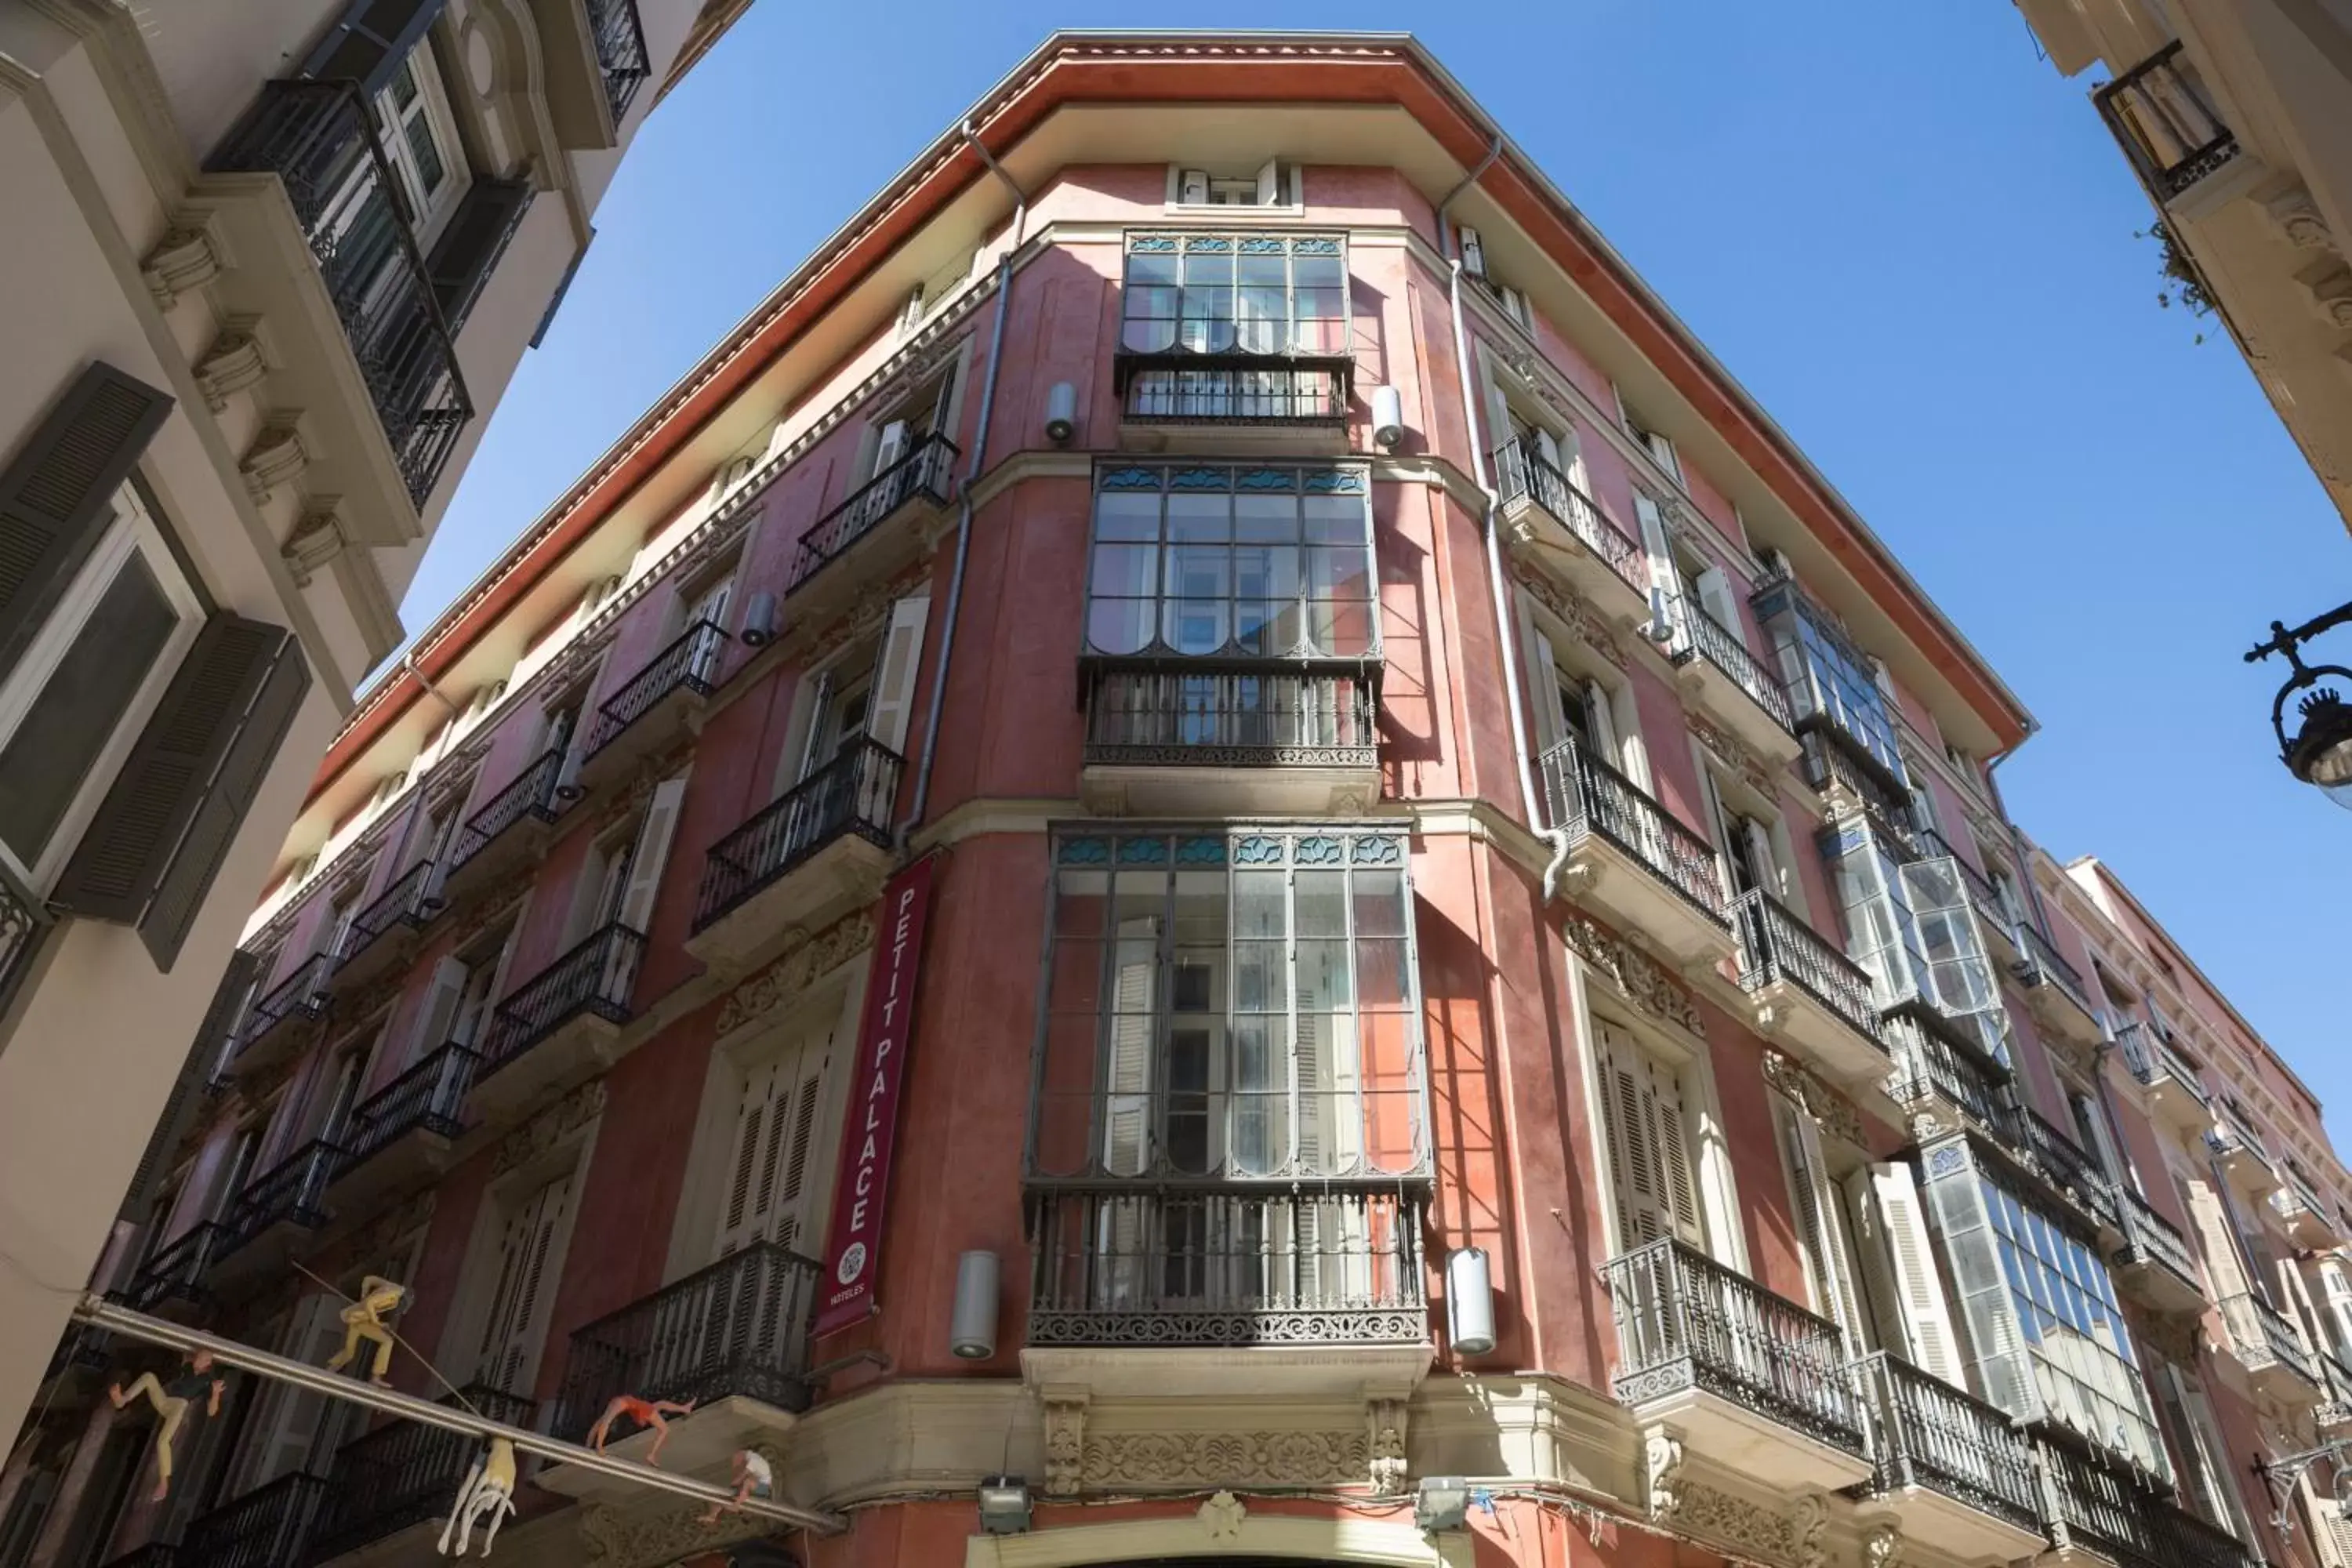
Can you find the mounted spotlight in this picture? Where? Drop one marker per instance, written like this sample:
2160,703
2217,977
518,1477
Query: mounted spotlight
2320,750
1443,1503
1004,1505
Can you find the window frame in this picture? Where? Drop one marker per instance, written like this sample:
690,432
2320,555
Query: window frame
1237,243
1289,175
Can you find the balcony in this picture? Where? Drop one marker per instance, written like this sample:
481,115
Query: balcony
282,1203
1182,738
2053,991
2071,1174
2240,1155
2305,1216
385,933
2161,114
1993,918
393,1486
507,829
280,1022
1262,1291
318,138
1832,764
2175,1096
269,1527
1957,1471
655,707
1246,404
174,1274
1621,853
1806,991
558,1028
2335,1413
2103,1512
882,528
2271,1351
1552,522
1934,1062
1712,662
1756,1384
405,1133
2153,1265
821,847
733,1338
595,62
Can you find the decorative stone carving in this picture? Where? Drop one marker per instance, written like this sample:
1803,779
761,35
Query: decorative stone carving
1221,1516
801,963
2298,217
1574,611
1883,1546
235,361
1735,753
317,538
2331,294
1065,1442
1812,1528
1642,978
186,257
1662,1470
1129,1459
1749,1530
614,1539
382,1234
1384,1425
549,1127
1813,1094
276,457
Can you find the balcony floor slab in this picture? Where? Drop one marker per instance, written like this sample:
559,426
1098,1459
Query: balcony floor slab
1722,697
1125,790
1229,1372
702,1443
847,872
1955,1529
415,1157
1751,1444
1605,879
1817,1034
571,1053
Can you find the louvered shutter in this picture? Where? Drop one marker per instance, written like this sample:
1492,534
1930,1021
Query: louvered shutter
1820,1227
651,854
894,672
150,855
367,43
2296,1298
2225,1270
891,444
1649,1153
527,1267
206,1055
745,1158
296,1416
1762,864
436,1019
1713,590
1473,253
1925,1311
1653,543
768,1173
2339,1291
471,243
1548,448
1543,687
1127,1097
1600,723
57,495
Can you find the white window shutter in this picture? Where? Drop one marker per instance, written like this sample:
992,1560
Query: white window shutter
1935,1347
509,1360
891,444
2296,1297
1514,305
1127,1093
651,854
1269,183
1820,1227
819,707
769,1166
1548,448
1543,687
1714,590
436,1020
2339,1291
1193,188
1474,254
1649,1155
910,314
1653,543
1600,723
894,671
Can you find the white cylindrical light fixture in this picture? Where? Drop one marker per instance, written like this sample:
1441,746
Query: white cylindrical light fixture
1061,411
1387,417
1469,1301
971,1327
760,621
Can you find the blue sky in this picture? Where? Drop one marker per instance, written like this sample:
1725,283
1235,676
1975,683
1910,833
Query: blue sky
1902,229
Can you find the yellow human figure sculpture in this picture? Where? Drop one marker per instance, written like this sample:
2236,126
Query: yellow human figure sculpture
171,1401
364,1319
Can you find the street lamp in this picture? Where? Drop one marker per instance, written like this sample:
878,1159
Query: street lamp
2320,752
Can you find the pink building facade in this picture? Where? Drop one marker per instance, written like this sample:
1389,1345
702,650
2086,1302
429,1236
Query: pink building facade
1210,824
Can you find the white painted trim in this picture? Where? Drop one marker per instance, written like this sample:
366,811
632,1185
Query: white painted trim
1346,1539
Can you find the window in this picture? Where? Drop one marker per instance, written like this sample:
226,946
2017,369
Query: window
1234,294
1828,679
528,1257
1747,836
1251,563
1656,445
1646,1127
1273,185
419,138
72,706
1229,1005
1910,924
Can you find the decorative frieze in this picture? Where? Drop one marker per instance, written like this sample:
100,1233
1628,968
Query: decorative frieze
2298,218
1745,1528
1733,752
806,958
1116,1461
1837,1116
1575,613
550,1128
1645,981
615,1537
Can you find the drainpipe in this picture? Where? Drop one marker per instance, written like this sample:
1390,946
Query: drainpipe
408,663
1503,631
963,491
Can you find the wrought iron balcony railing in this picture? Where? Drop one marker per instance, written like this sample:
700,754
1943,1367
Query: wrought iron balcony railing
739,1327
2042,966
1698,634
928,470
2233,1134
2094,1507
691,663
293,1191
24,920
175,1271
1233,1266
2152,1060
318,137
2064,1166
1684,1322
2263,1338
301,997
1521,472
427,1097
1159,712
269,1527
853,793
1584,796
595,978
2149,1235
1928,1434
1186,389
2166,121
410,900
403,1474
2335,1406
1776,944
532,794
620,38
1931,1058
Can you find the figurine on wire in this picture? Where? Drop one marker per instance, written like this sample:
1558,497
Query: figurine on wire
644,1413
487,1491
364,1320
754,1477
171,1401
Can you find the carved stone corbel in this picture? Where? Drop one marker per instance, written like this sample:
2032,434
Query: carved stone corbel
1811,1530
1385,1424
187,257
1883,1546
276,457
317,538
2298,218
237,360
1221,1516
1065,1440
1662,1471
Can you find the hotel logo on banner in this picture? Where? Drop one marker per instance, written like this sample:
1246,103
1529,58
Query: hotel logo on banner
853,1252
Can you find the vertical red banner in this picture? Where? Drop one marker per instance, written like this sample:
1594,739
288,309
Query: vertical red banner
853,1245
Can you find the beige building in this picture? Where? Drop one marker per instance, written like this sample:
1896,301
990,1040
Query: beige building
2237,117
264,271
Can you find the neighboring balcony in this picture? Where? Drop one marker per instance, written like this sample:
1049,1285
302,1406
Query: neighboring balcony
1183,738
280,1022
508,829
1808,994
173,1275
2271,1351
2239,1153
733,1338
595,62
275,1209
558,1028
1751,1380
2072,1176
2335,1413
1937,1065
2154,1265
390,1489
1266,1289
655,707
269,1527
1712,662
1624,855
1955,1469
319,138
821,847
882,528
2053,991
2176,1098
1998,926
1553,523
2305,1216
2092,1509
406,1134
2161,113
385,933
1248,404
